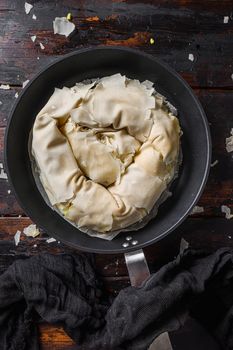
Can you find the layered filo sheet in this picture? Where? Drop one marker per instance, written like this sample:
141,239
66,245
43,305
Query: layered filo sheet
106,151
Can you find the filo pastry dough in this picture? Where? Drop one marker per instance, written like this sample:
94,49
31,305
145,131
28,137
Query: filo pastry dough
105,151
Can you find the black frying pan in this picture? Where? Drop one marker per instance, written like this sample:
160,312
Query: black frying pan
99,62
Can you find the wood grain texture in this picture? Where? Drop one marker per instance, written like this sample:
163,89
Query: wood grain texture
206,233
178,27
55,338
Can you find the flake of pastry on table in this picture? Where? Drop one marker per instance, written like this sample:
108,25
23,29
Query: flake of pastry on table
110,137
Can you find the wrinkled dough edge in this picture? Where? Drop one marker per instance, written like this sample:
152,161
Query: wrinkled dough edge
114,213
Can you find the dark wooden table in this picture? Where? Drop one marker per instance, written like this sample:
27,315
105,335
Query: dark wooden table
179,28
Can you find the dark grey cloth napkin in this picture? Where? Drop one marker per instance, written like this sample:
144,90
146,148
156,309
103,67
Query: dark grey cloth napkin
64,290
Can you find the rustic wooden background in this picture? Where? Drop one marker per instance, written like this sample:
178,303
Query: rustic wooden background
179,27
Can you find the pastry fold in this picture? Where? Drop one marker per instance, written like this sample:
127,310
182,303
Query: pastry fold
106,151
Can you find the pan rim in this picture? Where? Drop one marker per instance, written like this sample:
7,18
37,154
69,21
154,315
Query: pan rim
204,176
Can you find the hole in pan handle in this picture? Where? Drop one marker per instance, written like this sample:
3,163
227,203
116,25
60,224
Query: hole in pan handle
139,272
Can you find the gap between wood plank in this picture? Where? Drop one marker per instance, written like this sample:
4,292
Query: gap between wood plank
194,87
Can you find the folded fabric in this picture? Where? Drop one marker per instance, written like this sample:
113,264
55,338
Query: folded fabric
63,290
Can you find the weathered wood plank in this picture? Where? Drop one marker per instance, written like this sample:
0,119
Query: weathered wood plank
7,99
178,28
55,338
204,233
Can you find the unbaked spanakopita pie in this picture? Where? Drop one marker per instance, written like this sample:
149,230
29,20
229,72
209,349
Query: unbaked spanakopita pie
106,151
